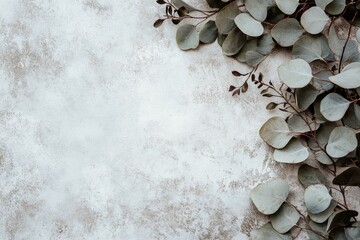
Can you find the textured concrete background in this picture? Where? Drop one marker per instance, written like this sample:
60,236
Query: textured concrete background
109,131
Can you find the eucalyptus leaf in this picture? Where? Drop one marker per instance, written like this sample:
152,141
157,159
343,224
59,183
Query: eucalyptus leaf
349,76
208,32
250,45
179,4
350,177
265,44
342,141
314,20
336,45
187,37
225,18
352,116
233,42
309,175
248,25
309,48
258,8
317,114
341,219
297,124
296,73
358,35
253,58
287,6
321,80
294,152
287,32
336,7
322,3
323,158
269,196
322,136
306,96
337,234
353,232
317,227
285,218
323,216
275,132
216,3
317,198
221,39
268,232
333,107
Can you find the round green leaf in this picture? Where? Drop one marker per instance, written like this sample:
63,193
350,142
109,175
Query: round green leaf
353,233
248,25
294,152
317,198
258,8
209,32
310,176
268,232
269,196
349,76
233,42
323,158
285,219
295,74
298,125
187,37
319,228
265,44
322,136
287,6
323,216
336,7
352,116
342,141
216,3
275,132
253,58
287,32
179,4
309,48
322,3
306,96
250,45
225,18
350,177
314,20
333,107
322,81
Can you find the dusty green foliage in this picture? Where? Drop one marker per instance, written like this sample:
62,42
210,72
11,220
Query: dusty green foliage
323,121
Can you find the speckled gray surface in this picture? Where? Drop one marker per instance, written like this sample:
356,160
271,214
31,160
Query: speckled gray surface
109,131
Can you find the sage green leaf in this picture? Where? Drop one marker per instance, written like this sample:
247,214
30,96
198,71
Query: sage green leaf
322,3
323,216
216,3
298,125
317,198
342,141
323,158
268,232
309,175
221,39
253,58
349,76
275,132
187,37
250,45
269,196
287,6
314,20
248,25
309,48
333,107
285,219
225,18
294,152
353,232
321,80
319,228
358,35
336,7
336,45
322,136
340,219
351,51
350,177
352,116
306,96
295,74
233,42
317,114
287,32
265,44
258,8
179,4
208,32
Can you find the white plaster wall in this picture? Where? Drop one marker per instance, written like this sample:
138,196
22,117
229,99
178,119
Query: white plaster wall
109,131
